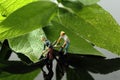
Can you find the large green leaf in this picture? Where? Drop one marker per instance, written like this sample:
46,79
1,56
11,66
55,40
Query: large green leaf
32,16
27,76
29,44
95,25
77,44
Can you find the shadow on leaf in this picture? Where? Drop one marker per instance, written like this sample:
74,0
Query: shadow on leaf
81,65
18,67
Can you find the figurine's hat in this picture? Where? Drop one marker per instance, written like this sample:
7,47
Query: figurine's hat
62,32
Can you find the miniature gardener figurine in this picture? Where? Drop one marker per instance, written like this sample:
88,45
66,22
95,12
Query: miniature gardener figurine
47,47
66,43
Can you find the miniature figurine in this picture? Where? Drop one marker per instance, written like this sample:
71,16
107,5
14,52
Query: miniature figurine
66,43
47,49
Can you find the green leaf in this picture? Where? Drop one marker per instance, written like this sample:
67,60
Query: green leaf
104,30
29,44
95,25
27,18
27,76
77,44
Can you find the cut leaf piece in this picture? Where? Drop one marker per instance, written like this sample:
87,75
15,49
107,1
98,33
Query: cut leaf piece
27,18
29,44
77,44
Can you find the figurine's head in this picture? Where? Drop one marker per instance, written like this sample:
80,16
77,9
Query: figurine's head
43,38
62,33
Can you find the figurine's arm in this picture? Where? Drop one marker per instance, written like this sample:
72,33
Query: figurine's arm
64,44
58,40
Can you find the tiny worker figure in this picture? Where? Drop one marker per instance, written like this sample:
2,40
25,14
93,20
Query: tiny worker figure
47,48
66,43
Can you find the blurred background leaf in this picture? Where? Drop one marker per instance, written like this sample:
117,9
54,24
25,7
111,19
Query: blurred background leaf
26,19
